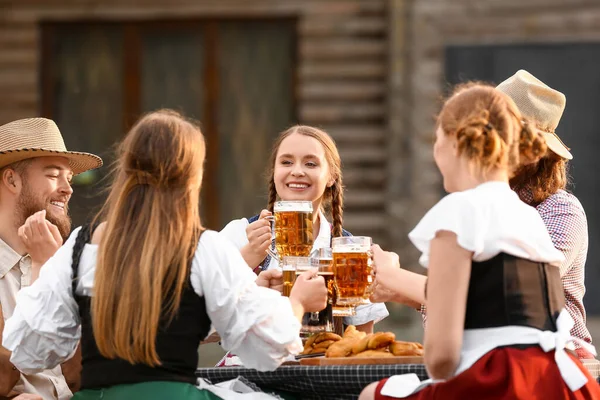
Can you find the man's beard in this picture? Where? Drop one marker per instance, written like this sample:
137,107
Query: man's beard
28,204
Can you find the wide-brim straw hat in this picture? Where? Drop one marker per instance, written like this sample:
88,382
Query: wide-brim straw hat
541,104
40,137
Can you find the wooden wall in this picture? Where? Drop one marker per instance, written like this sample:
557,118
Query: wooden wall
342,73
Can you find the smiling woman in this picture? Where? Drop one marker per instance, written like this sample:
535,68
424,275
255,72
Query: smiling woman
305,165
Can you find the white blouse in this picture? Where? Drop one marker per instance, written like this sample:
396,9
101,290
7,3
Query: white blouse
488,220
257,323
235,231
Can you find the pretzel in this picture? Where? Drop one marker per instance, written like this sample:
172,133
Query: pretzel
341,348
352,332
325,336
399,348
361,345
381,340
324,345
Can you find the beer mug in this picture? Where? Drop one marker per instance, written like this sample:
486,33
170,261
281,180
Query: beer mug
289,274
323,259
321,321
352,266
293,228
291,268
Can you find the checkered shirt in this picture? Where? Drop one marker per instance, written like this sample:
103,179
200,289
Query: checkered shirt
566,222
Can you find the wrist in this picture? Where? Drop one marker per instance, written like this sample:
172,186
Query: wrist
297,306
252,257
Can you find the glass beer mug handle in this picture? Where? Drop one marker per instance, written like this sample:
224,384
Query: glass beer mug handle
371,286
270,250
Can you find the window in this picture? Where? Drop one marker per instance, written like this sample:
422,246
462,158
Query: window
236,77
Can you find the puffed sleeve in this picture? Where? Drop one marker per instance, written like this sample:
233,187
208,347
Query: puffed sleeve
235,231
255,323
455,213
45,327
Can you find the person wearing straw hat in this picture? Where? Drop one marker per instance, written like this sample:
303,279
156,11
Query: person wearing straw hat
35,187
542,185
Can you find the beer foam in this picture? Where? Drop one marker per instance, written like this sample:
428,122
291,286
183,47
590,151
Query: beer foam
351,248
302,206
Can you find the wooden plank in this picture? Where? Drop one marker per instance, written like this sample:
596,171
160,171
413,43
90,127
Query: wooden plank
14,78
342,48
364,198
369,69
12,114
354,177
19,57
336,112
322,27
319,361
356,221
46,75
367,155
17,100
361,134
18,36
350,90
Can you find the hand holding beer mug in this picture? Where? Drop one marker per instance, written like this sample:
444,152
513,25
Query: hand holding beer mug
292,267
310,291
386,266
272,279
259,234
353,272
293,230
323,259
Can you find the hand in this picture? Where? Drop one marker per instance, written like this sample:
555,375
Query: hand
71,370
40,237
212,338
310,291
259,234
385,267
28,396
272,279
380,294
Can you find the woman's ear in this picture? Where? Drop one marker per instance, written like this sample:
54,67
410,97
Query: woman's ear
455,147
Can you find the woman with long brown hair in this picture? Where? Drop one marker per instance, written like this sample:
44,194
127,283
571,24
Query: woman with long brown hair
152,283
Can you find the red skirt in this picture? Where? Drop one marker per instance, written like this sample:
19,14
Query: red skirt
508,373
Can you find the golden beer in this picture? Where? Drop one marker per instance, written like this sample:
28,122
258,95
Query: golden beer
352,269
293,228
292,267
324,261
289,277
322,321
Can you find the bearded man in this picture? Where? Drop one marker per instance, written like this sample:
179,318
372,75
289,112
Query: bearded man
35,188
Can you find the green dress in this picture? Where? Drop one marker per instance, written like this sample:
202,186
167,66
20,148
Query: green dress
156,390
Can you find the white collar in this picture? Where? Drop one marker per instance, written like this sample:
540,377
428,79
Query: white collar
323,240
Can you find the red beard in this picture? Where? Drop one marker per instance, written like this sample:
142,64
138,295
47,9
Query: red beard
28,204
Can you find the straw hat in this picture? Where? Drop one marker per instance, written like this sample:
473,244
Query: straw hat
540,103
40,137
